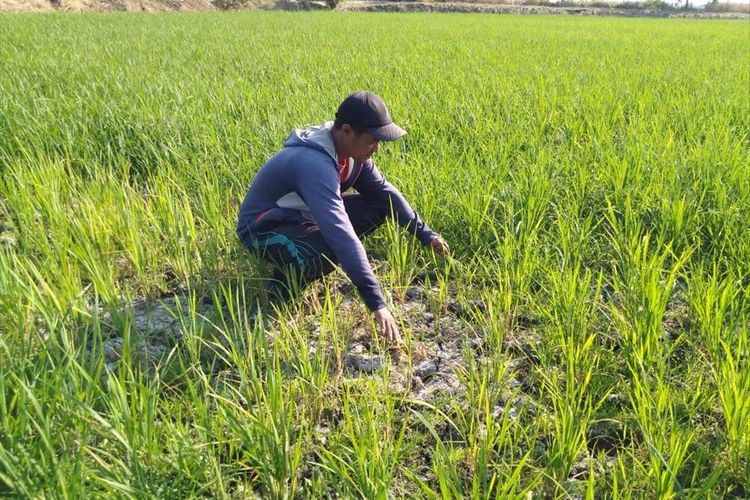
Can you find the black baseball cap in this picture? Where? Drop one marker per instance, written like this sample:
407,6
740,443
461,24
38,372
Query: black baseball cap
368,111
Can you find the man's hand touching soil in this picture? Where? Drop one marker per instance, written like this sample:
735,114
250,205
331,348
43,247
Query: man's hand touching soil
439,246
387,325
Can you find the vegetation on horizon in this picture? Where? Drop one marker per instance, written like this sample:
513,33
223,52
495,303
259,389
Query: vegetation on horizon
663,5
590,175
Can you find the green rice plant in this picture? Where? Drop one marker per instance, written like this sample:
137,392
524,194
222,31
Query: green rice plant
486,436
645,289
722,326
666,441
733,383
474,471
372,439
270,445
644,283
714,302
574,398
26,470
401,252
438,297
17,315
313,366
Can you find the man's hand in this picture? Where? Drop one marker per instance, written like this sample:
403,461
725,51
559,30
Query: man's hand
387,325
439,246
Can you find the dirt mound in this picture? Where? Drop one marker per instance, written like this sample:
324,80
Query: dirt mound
26,5
104,5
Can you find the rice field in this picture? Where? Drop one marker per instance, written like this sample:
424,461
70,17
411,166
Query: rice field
590,175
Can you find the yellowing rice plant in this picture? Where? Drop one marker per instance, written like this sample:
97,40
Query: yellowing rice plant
587,337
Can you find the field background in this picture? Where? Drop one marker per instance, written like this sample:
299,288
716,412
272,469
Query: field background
591,176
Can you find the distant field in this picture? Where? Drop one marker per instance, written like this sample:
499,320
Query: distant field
591,176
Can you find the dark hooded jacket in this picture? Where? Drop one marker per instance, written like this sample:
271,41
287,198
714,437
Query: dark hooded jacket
301,182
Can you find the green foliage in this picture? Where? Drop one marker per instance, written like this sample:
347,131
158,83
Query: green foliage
589,174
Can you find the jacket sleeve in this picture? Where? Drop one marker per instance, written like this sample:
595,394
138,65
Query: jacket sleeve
318,185
385,197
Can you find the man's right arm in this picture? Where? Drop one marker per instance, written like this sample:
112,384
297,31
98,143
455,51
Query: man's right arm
318,185
322,196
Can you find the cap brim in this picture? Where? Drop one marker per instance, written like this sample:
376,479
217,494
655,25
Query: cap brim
389,132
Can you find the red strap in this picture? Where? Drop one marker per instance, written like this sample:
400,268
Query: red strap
343,169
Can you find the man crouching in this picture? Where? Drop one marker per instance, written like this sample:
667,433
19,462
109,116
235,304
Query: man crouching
296,216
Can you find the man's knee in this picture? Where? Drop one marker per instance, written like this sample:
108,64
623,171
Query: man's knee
365,218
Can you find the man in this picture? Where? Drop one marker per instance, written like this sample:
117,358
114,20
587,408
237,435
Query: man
294,214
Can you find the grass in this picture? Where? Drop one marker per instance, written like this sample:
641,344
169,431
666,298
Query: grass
589,174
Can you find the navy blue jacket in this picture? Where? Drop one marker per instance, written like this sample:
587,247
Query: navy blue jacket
301,182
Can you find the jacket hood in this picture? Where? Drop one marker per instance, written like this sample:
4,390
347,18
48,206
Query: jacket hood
318,137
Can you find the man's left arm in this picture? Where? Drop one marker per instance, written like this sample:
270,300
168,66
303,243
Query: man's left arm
380,193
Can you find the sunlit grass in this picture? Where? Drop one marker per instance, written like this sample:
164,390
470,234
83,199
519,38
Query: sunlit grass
590,176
